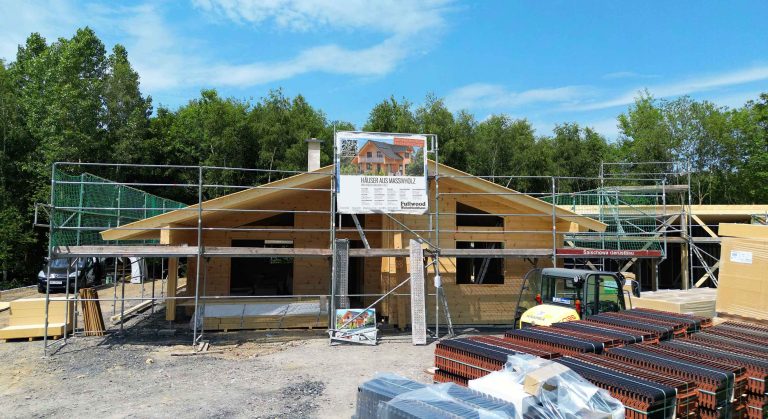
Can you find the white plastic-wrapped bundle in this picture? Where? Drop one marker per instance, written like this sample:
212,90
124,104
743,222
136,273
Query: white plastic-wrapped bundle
542,388
381,390
446,400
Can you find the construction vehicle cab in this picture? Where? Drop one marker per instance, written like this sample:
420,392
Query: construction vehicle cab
554,295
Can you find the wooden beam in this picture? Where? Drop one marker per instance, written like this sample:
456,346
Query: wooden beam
118,318
685,276
706,275
170,304
703,225
125,251
224,251
519,253
648,188
650,239
188,251
358,253
705,239
627,239
266,252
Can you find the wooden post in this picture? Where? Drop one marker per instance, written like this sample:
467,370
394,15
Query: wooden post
654,274
170,303
400,274
685,275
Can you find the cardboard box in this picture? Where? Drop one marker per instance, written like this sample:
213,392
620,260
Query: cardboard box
743,276
537,378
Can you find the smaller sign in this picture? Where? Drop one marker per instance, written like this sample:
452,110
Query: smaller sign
355,325
740,256
355,318
562,300
609,253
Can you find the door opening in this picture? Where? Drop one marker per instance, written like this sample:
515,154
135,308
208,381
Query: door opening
262,275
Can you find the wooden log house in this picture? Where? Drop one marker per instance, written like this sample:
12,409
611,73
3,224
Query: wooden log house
477,218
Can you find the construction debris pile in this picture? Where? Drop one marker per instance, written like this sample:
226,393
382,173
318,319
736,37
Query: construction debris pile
658,364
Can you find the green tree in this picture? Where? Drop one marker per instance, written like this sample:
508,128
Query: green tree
577,153
500,148
750,130
644,135
17,239
127,112
416,167
392,116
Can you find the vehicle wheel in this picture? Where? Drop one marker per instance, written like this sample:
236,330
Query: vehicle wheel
41,289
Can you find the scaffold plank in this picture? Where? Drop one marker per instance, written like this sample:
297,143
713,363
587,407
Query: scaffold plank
225,251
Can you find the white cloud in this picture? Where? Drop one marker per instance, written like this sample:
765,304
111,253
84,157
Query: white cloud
684,87
401,17
406,24
377,60
168,59
490,96
608,127
628,75
52,19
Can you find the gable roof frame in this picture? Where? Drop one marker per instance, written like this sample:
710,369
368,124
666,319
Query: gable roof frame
152,226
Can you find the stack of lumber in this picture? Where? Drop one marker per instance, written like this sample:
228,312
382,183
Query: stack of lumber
27,318
92,317
697,301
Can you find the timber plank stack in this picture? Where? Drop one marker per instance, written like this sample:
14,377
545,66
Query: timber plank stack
92,316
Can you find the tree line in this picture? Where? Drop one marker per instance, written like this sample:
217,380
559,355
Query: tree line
72,100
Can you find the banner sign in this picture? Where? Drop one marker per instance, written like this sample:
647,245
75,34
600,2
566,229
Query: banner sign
587,253
378,173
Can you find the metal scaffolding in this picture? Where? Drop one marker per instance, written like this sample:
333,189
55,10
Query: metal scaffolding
76,219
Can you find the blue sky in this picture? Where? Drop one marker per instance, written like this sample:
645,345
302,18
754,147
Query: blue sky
548,61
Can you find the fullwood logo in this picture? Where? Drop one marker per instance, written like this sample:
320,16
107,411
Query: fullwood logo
412,205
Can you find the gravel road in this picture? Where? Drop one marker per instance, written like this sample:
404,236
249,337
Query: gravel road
258,374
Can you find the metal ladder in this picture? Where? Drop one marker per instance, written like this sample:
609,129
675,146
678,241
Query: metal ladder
487,261
441,296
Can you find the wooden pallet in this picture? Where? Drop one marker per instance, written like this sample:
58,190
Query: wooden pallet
31,339
265,322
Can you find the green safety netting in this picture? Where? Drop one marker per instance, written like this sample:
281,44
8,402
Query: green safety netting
85,204
633,218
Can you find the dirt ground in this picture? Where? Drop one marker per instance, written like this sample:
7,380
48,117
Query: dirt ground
259,374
